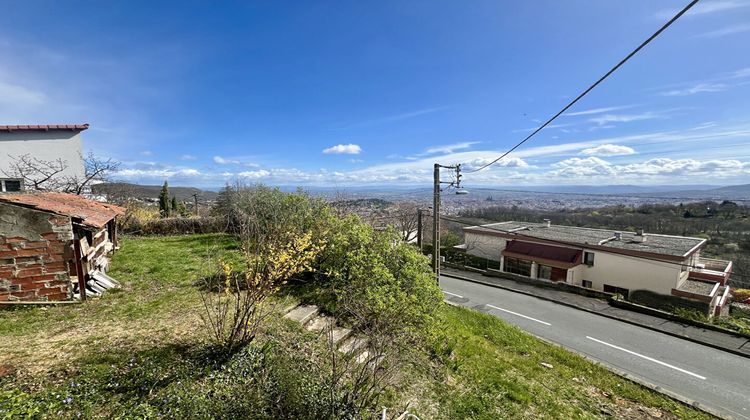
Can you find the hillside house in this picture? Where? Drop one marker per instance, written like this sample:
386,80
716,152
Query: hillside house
54,246
605,260
48,143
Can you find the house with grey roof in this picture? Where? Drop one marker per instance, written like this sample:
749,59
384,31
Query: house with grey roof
601,259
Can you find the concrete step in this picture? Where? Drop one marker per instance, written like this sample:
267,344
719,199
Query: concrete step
287,305
367,357
339,334
320,323
302,313
353,345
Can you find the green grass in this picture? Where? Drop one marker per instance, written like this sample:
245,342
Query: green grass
494,370
141,351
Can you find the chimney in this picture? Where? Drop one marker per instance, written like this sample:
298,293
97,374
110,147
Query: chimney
618,236
547,223
640,236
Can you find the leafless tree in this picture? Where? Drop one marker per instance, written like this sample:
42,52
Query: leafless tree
48,175
96,170
406,220
37,174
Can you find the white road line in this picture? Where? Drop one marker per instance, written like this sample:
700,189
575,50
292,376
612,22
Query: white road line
648,358
453,294
517,314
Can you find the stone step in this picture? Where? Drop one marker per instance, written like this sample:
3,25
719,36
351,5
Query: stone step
320,323
339,334
302,313
367,357
353,345
287,305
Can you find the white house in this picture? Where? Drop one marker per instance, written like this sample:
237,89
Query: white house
43,143
600,259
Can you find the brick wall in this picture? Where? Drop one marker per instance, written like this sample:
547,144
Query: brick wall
34,263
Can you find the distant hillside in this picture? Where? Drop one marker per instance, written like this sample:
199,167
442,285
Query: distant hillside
731,192
151,191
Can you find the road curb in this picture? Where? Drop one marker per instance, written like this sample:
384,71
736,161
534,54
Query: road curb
627,321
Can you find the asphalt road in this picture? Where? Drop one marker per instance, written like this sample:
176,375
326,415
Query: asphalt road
714,378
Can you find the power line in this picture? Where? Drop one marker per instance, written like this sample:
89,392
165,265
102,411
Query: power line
521,235
590,88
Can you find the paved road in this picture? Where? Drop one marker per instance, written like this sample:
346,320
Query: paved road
715,378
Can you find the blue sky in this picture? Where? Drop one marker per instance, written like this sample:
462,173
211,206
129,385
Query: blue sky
355,93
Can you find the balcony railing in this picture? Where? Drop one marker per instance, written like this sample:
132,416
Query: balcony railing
712,269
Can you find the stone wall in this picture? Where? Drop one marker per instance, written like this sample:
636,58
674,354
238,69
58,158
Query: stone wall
35,255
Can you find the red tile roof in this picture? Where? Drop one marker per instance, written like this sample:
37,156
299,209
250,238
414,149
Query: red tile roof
45,127
92,213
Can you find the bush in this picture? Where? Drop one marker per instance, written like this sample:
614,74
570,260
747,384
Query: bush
740,295
181,226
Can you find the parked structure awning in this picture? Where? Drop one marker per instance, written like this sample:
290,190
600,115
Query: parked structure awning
545,254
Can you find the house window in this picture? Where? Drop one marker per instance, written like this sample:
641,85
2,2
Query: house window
618,290
545,272
518,266
587,283
588,258
10,185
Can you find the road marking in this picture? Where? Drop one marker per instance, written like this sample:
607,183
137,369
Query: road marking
453,294
517,314
647,358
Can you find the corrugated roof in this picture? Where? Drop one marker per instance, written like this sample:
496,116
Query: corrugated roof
91,213
674,246
44,127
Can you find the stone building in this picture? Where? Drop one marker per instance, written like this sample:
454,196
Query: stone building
54,246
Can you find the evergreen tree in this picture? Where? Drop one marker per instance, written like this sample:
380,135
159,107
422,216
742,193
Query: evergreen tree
164,208
174,204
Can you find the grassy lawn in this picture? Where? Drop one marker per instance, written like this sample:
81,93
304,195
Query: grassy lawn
140,352
157,303
495,371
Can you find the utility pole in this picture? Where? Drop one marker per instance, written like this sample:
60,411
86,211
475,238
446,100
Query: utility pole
436,222
419,230
456,183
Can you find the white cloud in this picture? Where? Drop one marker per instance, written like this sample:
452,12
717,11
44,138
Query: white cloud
262,173
582,167
17,95
225,161
347,149
705,8
597,110
697,88
729,30
393,118
608,150
451,148
507,162
667,166
592,168
147,153
610,118
157,173
740,73
188,157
